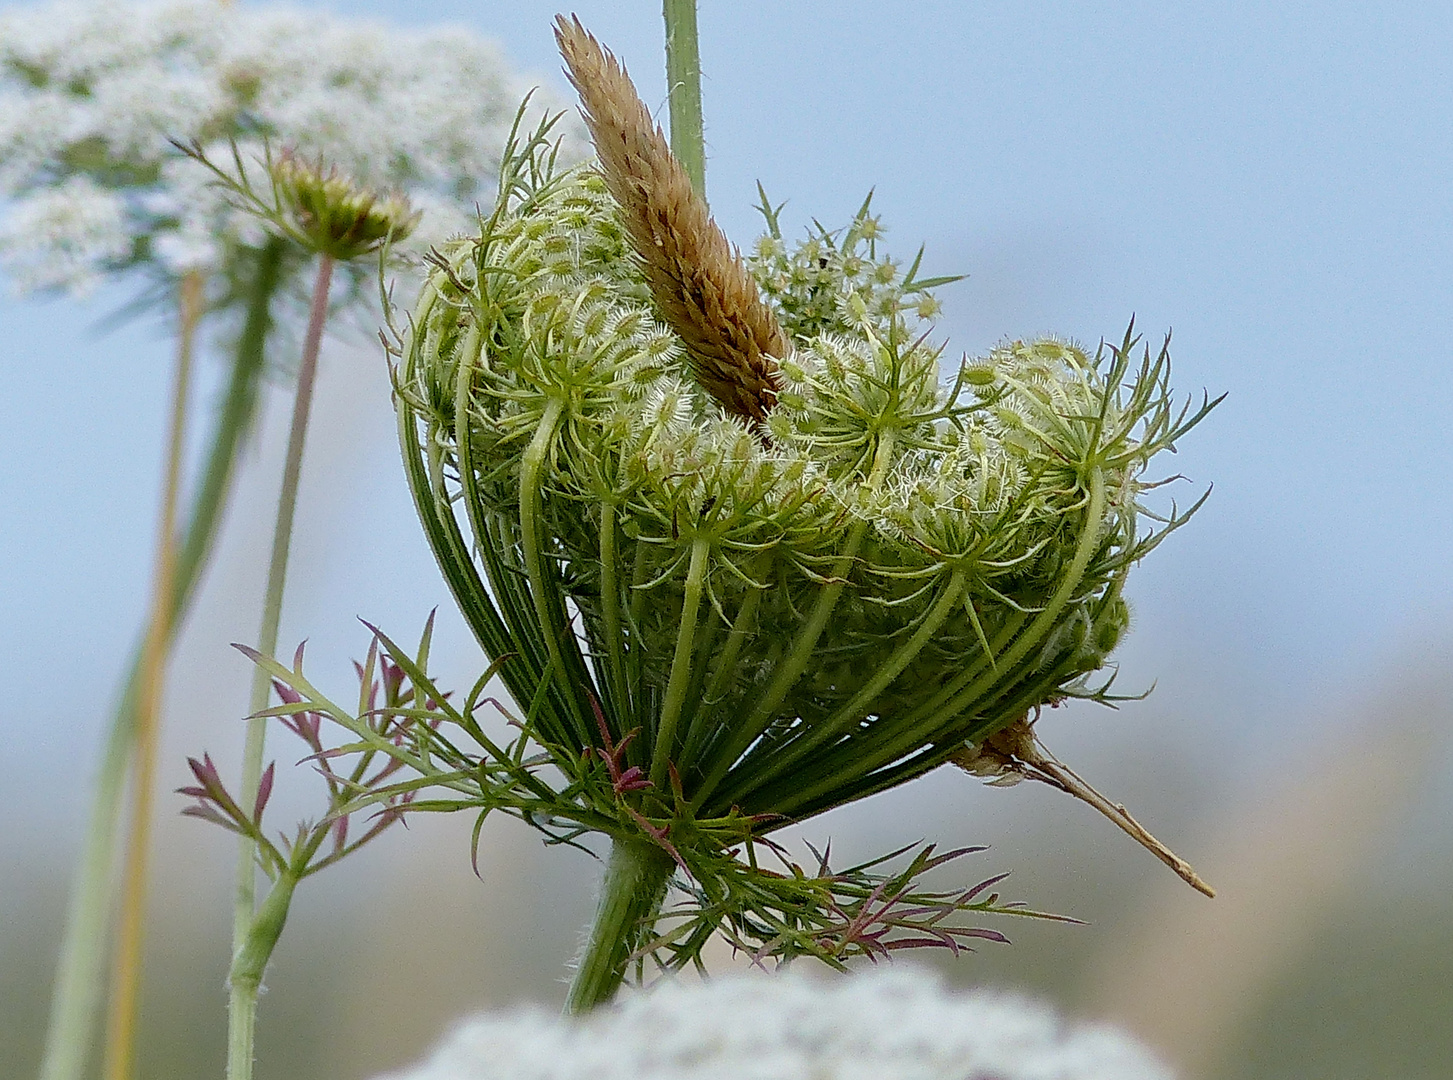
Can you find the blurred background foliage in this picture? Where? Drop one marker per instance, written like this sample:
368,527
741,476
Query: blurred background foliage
1271,180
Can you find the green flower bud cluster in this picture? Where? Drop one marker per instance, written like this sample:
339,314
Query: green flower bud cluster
775,618
331,214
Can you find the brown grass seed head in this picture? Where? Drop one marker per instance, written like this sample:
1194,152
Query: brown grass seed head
700,284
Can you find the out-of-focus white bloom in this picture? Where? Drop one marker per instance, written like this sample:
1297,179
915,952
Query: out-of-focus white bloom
62,236
91,94
885,1024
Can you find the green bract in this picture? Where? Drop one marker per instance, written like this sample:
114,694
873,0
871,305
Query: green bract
778,620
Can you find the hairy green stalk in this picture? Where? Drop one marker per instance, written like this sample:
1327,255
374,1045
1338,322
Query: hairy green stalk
847,716
721,676
542,590
243,988
681,665
978,691
636,876
76,1003
683,81
249,962
610,602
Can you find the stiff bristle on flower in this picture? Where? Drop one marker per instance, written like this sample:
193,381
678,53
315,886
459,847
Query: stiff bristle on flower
700,284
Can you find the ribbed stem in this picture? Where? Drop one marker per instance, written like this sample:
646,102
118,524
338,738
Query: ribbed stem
542,589
239,1063
79,971
681,661
120,1057
610,605
846,718
636,876
249,961
683,82
978,692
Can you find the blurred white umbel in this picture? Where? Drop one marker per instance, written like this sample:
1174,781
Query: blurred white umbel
886,1024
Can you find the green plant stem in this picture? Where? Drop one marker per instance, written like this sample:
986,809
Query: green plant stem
843,720
610,603
636,876
120,1056
681,661
76,1001
541,589
973,696
242,1007
683,81
726,660
249,961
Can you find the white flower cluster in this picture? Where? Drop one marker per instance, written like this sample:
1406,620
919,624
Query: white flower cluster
91,93
885,1024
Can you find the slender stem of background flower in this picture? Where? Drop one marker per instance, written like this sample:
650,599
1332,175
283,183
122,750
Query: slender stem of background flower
234,422
636,875
84,946
683,80
243,993
120,1057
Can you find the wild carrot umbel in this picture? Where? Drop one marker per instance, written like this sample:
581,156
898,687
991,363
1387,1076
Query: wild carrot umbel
737,553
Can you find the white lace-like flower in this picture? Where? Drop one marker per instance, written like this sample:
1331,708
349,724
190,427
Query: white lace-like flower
885,1024
62,236
92,94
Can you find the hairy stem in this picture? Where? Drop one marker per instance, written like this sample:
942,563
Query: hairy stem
637,609
120,1056
610,604
243,1003
894,746
249,961
683,81
846,718
541,590
721,676
636,876
680,661
76,1002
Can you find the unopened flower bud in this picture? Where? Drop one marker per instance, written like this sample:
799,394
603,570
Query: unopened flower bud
334,215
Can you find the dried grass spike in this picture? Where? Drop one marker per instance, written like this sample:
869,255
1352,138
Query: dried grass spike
700,284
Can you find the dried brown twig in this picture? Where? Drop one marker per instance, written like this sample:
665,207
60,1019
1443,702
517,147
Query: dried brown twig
1016,752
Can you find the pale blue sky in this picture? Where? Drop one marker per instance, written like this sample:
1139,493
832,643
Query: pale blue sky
1273,181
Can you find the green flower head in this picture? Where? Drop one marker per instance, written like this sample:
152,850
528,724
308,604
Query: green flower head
772,617
333,215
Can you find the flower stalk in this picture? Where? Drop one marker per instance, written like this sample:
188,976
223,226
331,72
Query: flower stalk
243,988
76,1000
244,979
120,1056
631,894
683,82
